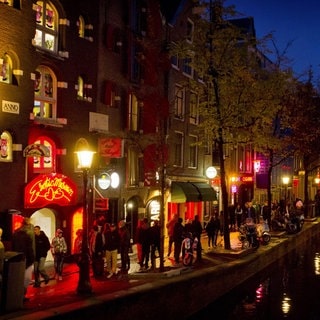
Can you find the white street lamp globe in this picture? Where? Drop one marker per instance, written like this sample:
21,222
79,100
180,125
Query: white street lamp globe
211,172
115,180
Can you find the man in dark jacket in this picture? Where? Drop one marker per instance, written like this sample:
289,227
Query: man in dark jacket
42,244
155,242
178,232
23,242
112,243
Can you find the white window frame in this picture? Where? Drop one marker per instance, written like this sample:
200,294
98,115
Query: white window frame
193,152
44,32
193,108
133,113
133,167
178,149
42,101
189,31
179,102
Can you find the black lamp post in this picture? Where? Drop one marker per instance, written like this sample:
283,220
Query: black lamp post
84,285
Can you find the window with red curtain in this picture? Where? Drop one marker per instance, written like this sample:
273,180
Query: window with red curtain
45,164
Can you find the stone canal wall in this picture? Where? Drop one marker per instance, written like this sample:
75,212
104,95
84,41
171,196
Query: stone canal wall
180,296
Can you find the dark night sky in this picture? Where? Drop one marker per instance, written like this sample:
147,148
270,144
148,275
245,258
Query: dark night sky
288,20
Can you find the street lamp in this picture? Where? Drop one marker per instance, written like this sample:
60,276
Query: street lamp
84,285
285,181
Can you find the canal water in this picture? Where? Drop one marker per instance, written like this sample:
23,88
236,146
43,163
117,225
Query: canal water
288,289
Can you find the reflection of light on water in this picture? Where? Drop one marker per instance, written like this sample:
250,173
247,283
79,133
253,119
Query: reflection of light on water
262,291
317,263
259,293
286,304
252,302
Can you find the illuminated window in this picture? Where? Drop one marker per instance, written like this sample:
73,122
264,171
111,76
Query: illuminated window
45,92
12,3
133,113
6,69
45,164
80,87
81,26
133,165
47,26
179,102
5,147
8,2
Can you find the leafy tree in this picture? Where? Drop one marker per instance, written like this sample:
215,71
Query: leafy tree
304,114
240,88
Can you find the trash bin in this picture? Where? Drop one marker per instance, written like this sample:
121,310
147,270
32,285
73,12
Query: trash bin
12,286
311,210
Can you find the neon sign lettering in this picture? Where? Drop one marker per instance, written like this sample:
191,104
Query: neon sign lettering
48,189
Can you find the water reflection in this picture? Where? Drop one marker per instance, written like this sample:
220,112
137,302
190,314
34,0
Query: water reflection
287,289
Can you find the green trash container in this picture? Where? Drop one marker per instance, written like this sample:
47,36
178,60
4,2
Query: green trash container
12,285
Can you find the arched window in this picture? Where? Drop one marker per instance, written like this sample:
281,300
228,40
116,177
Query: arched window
5,147
45,93
6,69
81,26
45,164
47,26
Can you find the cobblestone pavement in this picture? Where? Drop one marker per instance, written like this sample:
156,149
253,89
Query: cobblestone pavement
62,292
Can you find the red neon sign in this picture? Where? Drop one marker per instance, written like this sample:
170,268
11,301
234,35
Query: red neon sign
50,189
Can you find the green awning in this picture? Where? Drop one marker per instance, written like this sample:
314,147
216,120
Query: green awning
207,193
184,192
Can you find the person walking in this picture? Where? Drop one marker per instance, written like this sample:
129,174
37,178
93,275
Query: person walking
96,245
216,228
178,232
250,212
124,246
138,241
197,231
145,237
42,245
210,231
155,242
22,241
77,246
112,243
58,250
170,227
238,212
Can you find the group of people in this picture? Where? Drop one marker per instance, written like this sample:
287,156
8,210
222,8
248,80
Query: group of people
177,232
106,240
34,244
148,243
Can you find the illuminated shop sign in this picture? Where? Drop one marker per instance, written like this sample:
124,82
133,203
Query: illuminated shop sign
154,210
247,179
50,189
